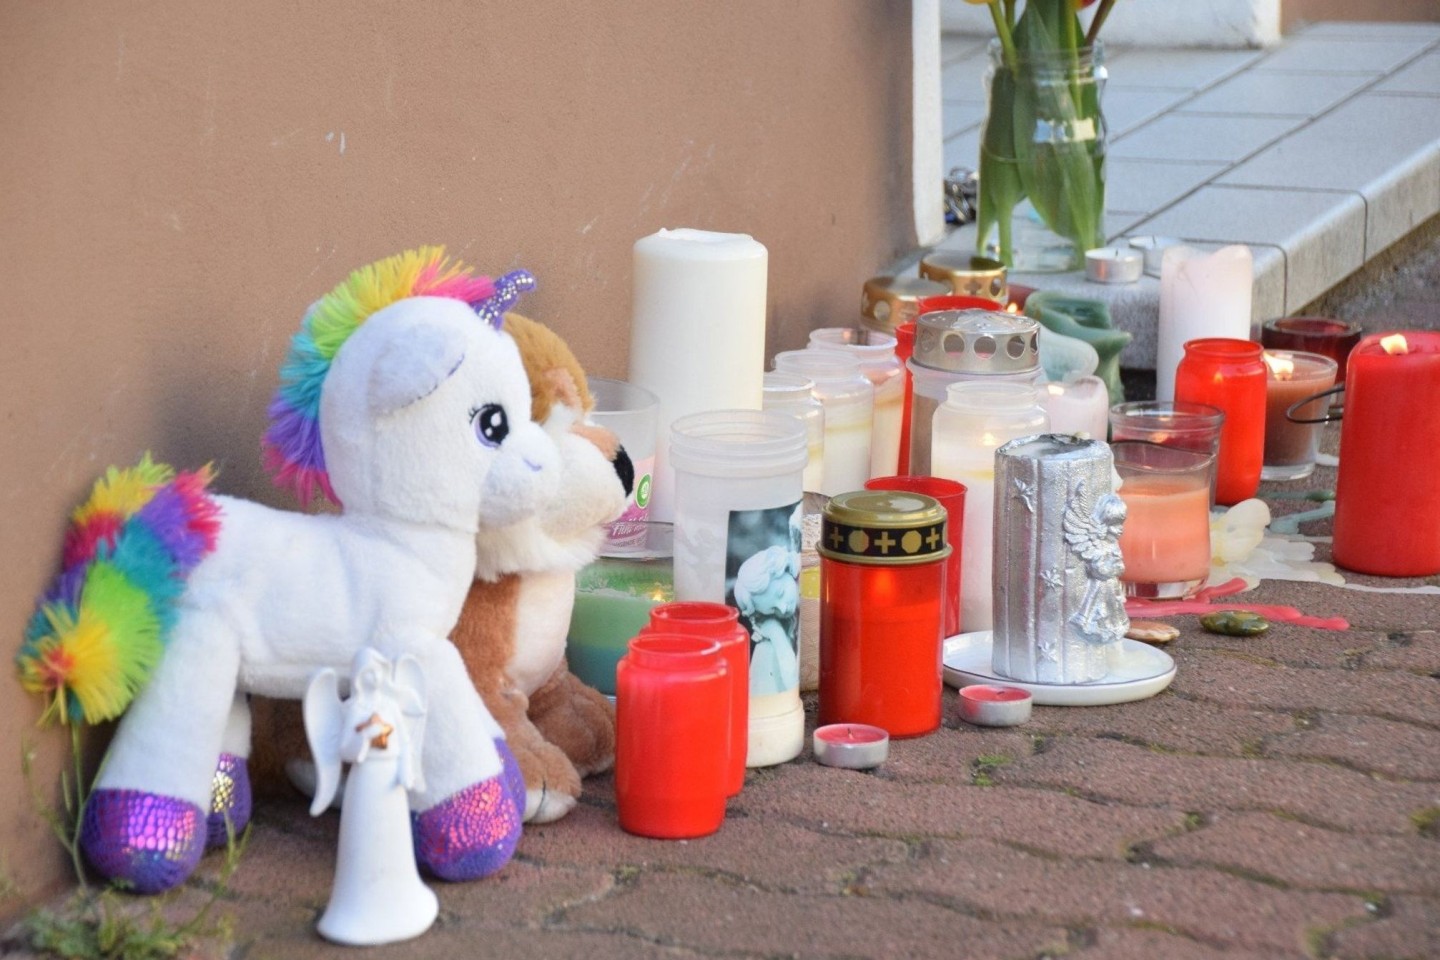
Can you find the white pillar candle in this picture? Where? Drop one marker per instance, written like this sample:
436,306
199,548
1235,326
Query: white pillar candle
697,331
880,365
1201,295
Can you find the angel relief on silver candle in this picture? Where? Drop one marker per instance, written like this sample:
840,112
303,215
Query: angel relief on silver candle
1059,606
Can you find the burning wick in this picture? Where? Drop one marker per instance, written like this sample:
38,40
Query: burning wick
1395,343
1281,368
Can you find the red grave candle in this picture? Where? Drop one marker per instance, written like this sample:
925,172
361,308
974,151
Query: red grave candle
904,347
672,735
950,494
1229,374
882,590
1387,497
720,623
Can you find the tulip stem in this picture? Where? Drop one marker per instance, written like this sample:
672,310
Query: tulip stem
1101,12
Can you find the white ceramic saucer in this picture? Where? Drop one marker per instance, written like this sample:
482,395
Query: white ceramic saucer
1137,671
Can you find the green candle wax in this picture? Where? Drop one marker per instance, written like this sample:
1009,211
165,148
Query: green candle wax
613,599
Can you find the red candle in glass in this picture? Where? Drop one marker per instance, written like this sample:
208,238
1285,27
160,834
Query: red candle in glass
1323,335
672,735
1387,496
882,587
1229,374
904,347
951,495
721,623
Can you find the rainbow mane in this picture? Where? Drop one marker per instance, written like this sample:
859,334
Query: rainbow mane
291,448
101,627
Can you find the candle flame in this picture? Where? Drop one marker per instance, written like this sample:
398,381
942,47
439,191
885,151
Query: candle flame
1395,343
1012,308
1281,368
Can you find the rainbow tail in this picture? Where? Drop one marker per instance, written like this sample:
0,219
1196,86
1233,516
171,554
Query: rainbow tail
99,630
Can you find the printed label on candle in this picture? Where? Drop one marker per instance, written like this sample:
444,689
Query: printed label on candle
762,581
637,507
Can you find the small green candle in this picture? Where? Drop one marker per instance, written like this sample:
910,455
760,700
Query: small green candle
613,598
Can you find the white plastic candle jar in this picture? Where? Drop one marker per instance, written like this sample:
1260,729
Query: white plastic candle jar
957,346
876,353
976,418
849,402
793,394
738,529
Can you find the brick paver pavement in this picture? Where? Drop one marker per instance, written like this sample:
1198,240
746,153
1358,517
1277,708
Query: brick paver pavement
1280,800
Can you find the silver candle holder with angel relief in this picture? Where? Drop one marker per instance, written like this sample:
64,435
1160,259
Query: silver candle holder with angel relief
1059,606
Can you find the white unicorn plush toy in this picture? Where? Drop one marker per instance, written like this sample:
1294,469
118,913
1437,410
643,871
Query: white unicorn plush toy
403,402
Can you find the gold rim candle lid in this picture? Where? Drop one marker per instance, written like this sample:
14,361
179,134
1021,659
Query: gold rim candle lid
883,527
887,302
967,275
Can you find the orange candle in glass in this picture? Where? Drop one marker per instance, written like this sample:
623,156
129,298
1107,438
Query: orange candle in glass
1294,377
1166,539
1229,374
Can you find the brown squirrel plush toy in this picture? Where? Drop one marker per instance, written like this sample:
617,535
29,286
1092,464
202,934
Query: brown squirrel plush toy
512,630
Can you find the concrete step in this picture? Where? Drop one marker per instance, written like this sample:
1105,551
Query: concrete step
1318,154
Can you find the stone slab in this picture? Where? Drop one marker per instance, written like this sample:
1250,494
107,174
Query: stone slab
1277,93
1202,137
1321,53
1322,233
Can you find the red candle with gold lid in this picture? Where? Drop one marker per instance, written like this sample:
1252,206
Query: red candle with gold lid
1387,497
882,586
1229,374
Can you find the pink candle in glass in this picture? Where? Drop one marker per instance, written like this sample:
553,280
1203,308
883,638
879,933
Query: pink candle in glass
1292,378
1166,538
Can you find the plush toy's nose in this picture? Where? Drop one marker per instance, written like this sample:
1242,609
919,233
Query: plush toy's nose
625,470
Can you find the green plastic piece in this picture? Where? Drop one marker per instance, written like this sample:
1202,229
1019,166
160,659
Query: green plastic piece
1087,320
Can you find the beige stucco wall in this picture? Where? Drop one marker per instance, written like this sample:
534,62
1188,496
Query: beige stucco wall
178,180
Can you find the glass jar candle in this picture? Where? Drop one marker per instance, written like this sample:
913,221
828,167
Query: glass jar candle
1294,379
1326,336
793,394
876,353
1229,375
976,418
738,529
954,346
849,401
614,594
672,723
882,589
720,623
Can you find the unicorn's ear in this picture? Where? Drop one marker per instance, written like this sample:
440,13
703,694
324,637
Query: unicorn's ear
413,367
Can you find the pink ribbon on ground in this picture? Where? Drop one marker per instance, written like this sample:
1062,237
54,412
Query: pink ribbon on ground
1201,604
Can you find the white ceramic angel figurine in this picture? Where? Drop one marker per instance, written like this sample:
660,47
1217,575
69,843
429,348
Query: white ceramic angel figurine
378,896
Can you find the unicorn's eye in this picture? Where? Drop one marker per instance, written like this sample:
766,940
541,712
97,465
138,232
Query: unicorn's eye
492,426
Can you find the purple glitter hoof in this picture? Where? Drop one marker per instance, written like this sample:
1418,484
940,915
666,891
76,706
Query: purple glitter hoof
151,843
229,796
473,833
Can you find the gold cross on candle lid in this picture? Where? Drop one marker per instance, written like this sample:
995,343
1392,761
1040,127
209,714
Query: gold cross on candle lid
883,527
967,275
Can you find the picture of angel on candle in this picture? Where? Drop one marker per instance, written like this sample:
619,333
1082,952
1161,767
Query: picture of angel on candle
763,553
1094,537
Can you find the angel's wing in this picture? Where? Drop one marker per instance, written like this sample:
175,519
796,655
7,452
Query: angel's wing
1085,533
324,718
409,687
